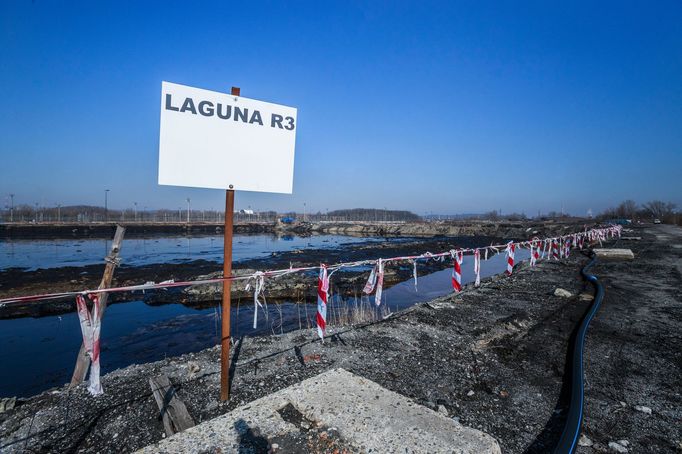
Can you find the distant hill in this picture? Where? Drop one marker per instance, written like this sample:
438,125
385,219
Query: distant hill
373,214
443,217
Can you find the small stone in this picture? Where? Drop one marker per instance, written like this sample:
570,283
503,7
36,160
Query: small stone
562,293
614,446
504,393
192,369
7,403
305,425
442,410
274,446
470,393
584,441
624,443
645,410
585,297
623,404
213,405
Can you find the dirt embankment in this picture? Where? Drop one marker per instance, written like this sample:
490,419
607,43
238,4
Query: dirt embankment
499,229
493,357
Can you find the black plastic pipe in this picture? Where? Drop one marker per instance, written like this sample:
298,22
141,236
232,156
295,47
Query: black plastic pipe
569,437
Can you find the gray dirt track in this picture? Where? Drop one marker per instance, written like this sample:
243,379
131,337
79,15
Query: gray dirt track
494,357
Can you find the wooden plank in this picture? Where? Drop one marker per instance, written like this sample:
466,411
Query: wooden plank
83,360
172,410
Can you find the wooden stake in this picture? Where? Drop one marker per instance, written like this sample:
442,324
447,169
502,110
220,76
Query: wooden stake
83,360
227,288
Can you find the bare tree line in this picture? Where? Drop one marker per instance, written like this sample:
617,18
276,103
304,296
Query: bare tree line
655,209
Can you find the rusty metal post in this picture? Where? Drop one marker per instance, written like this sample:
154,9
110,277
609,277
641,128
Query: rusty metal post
227,288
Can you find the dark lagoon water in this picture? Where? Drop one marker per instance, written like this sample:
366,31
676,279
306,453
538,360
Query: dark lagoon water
41,352
33,254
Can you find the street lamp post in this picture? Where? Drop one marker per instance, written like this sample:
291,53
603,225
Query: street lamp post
135,211
106,208
188,209
11,208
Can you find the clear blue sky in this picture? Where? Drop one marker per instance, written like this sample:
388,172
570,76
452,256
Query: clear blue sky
446,107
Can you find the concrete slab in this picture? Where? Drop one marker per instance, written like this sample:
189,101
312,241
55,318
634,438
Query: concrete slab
369,418
614,254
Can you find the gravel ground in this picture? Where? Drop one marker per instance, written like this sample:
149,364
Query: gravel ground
634,349
493,357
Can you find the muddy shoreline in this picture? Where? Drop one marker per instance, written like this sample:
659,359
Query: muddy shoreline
493,358
296,287
106,230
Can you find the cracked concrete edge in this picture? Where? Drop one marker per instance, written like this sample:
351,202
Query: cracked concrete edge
367,416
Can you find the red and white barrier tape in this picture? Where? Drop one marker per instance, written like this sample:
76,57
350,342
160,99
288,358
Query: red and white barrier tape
91,324
457,259
534,252
322,294
477,267
510,257
591,235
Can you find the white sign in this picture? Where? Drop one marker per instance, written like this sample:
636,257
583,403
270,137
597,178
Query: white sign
215,140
